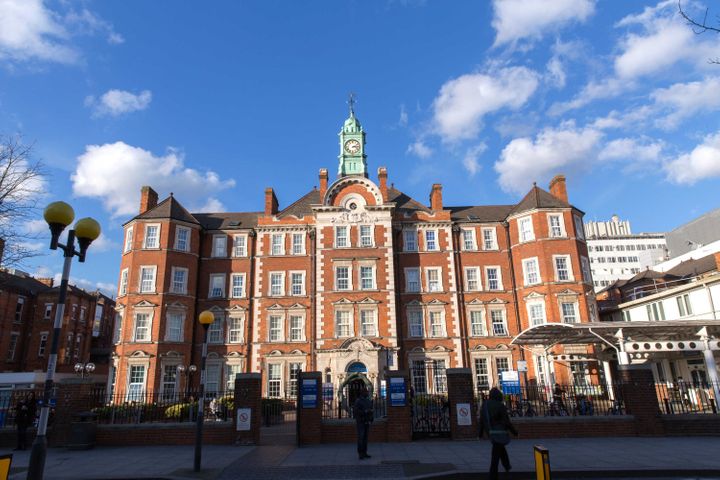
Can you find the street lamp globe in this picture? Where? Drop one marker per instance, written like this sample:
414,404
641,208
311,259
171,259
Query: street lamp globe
86,230
79,367
206,318
58,215
90,367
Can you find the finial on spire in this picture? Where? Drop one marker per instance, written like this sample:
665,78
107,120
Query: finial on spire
351,102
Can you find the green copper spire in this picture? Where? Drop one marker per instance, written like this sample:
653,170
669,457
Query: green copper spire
353,160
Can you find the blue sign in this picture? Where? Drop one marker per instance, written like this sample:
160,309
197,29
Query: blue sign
309,393
357,367
397,392
510,382
327,391
383,389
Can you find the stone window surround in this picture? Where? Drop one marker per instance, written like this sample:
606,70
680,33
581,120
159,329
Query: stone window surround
561,217
568,263
178,229
147,227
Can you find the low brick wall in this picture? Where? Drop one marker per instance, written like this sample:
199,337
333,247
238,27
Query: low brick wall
344,431
214,433
574,427
691,424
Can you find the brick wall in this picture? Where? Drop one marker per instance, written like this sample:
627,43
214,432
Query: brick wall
310,419
640,398
345,431
460,391
248,387
214,433
399,419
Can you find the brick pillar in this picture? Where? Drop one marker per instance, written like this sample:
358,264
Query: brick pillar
74,395
310,419
399,419
460,392
640,398
248,394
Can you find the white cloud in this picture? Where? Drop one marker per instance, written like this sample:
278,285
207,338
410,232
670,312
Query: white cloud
556,72
669,42
525,160
635,152
529,19
462,102
470,160
104,244
403,121
113,172
109,289
30,31
419,149
594,90
687,99
703,162
34,227
118,102
211,205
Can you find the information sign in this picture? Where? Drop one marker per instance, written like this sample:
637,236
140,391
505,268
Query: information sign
522,366
397,392
309,393
243,419
510,382
463,414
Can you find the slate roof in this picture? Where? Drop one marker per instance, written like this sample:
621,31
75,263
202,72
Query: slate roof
694,267
404,202
169,208
301,206
22,283
483,213
227,221
538,198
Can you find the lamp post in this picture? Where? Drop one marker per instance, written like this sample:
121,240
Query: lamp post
59,215
84,369
205,319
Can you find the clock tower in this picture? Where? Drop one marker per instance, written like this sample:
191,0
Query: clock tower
353,160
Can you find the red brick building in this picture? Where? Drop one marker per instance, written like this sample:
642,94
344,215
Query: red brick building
27,315
354,276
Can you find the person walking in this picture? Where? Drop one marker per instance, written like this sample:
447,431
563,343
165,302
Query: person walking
495,421
363,413
24,417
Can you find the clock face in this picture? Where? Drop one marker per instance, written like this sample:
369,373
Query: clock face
352,146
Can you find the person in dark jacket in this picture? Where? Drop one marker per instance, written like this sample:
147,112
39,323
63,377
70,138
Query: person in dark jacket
363,413
24,417
494,420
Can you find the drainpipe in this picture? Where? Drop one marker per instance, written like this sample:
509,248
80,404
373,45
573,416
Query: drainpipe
250,320
459,284
506,227
313,297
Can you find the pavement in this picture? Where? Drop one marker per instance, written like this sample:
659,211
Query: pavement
648,457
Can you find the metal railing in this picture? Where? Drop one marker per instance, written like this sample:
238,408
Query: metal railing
334,408
9,400
277,411
161,407
561,400
687,397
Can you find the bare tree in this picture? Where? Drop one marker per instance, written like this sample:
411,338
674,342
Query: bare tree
22,181
701,26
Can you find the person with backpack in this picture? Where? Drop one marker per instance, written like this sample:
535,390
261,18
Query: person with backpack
363,413
495,421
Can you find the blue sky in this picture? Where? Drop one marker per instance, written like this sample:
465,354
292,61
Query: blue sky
216,100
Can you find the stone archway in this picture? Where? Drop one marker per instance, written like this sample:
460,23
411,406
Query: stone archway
355,381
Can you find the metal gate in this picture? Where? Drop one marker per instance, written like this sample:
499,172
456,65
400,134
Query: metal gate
430,406
279,419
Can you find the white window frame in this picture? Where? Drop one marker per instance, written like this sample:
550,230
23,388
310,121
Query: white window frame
128,240
177,245
488,282
525,234
276,327
435,242
219,246
297,248
240,244
42,344
301,274
427,279
233,292
443,327
211,285
416,321
135,390
342,241
271,284
350,321
493,245
534,306
274,380
280,250
527,272
173,284
216,330
471,245
292,337
576,309
684,305
123,287
48,310
373,279
370,237
410,240
178,315
349,277
568,264
473,315
552,233
416,272
153,287
149,326
587,272
373,323
146,244
503,314
235,327
478,279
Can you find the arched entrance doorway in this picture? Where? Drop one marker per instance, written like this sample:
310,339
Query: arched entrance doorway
353,384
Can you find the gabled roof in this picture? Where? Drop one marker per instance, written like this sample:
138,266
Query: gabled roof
301,207
169,208
404,202
483,213
694,267
538,198
649,274
227,221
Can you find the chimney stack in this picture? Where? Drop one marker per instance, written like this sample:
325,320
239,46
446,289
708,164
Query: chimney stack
558,188
49,281
271,202
717,261
436,203
323,182
382,178
148,199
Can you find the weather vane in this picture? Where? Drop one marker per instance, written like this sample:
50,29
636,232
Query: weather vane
351,102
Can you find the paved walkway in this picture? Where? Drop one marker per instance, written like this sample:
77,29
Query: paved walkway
658,456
